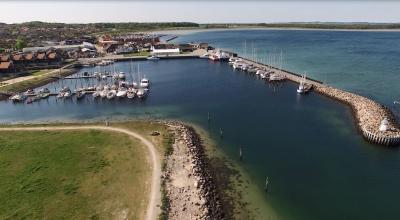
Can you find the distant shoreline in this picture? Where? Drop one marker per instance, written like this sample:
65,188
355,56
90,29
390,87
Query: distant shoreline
197,30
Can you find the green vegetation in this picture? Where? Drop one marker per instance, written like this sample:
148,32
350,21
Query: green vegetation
168,140
137,54
20,43
72,175
40,72
40,79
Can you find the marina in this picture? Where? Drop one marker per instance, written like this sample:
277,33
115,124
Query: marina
213,90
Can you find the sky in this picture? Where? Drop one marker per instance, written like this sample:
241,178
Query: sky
206,11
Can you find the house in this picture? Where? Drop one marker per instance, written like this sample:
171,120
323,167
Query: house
17,58
5,58
203,46
6,67
186,47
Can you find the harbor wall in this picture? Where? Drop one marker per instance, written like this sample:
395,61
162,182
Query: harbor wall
368,113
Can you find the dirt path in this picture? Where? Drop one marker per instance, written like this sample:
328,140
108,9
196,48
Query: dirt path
155,195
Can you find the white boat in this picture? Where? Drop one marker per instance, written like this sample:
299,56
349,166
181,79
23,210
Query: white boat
111,94
18,97
205,56
96,94
67,94
131,93
144,83
303,86
121,75
153,57
122,92
30,92
237,66
213,57
103,93
141,93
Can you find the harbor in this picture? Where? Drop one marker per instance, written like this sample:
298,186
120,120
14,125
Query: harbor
189,89
376,123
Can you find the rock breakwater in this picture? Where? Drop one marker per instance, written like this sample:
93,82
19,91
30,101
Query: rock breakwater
189,182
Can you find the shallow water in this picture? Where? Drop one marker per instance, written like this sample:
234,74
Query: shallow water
318,165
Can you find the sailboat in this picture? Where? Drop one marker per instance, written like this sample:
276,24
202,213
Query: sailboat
303,86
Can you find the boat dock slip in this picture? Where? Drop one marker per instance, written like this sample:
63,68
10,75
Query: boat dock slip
376,122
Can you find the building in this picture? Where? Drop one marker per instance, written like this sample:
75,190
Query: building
6,67
59,47
187,47
158,50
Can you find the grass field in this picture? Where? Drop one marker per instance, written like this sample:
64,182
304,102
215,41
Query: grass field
72,175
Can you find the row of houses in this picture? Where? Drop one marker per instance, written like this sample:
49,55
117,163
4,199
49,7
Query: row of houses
20,61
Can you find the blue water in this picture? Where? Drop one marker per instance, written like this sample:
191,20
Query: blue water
318,164
367,63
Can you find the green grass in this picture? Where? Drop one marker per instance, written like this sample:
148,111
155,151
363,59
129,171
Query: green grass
72,175
41,79
141,53
40,72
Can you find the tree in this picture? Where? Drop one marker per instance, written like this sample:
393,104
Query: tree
20,43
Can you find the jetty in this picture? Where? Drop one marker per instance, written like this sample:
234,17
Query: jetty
375,121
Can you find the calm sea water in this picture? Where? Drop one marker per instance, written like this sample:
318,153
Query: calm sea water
367,63
318,165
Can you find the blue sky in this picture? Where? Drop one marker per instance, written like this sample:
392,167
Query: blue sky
200,11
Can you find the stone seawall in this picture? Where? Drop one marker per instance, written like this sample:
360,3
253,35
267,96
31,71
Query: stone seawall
369,115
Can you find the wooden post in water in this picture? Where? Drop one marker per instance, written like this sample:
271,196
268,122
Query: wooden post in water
266,184
221,133
208,116
240,154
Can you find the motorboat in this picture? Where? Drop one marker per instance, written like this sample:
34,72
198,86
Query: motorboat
153,57
121,75
18,97
67,94
111,94
205,56
144,83
30,92
213,57
130,94
303,86
238,65
141,93
122,92
96,94
80,95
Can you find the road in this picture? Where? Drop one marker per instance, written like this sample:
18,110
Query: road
155,194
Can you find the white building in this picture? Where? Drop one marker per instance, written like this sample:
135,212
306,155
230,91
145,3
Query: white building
164,52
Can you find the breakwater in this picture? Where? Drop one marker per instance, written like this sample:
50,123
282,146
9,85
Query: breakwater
189,182
369,114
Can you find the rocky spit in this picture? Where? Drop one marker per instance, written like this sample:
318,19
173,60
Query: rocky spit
189,182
